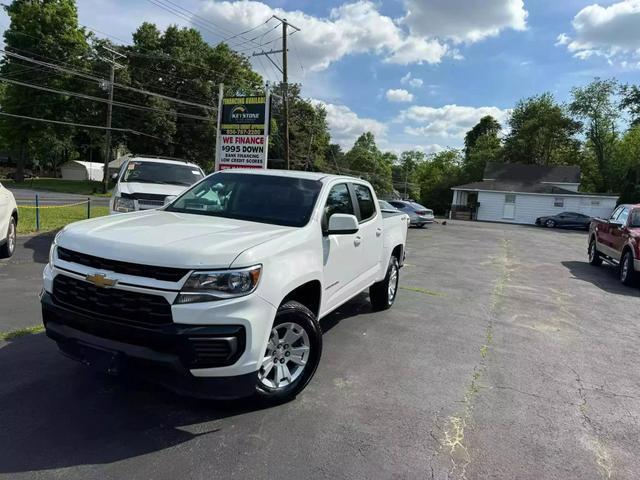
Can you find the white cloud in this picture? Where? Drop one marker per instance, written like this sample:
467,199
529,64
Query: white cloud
346,126
464,20
399,95
411,81
612,31
351,28
450,121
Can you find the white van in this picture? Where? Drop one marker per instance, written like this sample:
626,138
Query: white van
144,183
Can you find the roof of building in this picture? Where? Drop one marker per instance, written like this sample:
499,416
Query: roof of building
521,187
518,172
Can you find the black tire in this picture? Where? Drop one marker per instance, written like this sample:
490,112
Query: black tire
9,245
550,223
627,271
293,312
379,294
422,225
594,255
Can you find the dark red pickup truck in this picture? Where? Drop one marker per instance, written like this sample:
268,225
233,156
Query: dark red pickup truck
617,241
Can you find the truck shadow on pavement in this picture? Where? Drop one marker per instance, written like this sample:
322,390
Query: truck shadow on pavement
604,277
56,413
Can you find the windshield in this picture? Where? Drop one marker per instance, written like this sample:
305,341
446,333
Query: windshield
157,172
256,198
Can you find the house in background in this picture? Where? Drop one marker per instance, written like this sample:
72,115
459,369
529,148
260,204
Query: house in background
517,193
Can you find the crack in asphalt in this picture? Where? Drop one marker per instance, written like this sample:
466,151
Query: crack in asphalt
594,442
454,432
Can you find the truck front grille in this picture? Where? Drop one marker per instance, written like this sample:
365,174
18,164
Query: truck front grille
121,306
166,274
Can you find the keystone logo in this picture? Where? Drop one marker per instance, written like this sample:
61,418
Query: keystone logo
240,113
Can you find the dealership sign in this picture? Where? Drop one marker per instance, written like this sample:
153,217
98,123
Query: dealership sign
243,132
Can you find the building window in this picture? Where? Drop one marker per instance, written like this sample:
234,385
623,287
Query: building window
510,198
595,203
558,202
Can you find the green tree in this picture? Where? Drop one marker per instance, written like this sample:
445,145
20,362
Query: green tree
595,105
626,166
366,160
436,176
487,125
541,133
631,102
45,29
404,173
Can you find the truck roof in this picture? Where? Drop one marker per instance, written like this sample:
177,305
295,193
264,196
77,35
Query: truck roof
318,176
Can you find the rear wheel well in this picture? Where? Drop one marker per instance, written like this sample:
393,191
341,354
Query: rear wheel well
14,214
626,249
397,252
307,294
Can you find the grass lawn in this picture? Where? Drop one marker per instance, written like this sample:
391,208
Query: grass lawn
81,187
53,218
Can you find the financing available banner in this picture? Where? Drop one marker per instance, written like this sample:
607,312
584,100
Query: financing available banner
243,137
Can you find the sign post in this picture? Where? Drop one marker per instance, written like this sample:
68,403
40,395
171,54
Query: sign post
243,132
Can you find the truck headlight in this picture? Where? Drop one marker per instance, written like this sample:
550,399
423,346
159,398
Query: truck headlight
219,285
124,205
52,252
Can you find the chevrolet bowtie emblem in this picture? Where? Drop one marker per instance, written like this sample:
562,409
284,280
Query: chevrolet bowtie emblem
100,280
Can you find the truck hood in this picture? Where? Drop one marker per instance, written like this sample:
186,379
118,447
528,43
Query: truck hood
157,237
154,188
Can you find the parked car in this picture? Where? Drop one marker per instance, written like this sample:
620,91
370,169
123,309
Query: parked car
8,222
219,293
418,215
617,241
145,183
565,220
387,207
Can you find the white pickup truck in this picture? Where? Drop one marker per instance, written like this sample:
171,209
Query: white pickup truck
218,294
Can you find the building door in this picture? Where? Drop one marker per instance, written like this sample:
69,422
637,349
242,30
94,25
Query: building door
509,211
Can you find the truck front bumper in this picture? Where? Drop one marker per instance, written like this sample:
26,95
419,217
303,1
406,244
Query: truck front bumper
164,356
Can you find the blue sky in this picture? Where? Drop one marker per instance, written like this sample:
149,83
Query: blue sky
418,73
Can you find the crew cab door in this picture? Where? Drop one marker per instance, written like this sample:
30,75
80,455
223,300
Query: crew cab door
370,236
340,252
618,233
604,233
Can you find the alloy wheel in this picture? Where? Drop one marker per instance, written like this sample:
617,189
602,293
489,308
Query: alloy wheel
624,268
286,356
11,239
393,282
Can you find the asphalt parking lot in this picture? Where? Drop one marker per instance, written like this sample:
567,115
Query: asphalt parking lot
506,356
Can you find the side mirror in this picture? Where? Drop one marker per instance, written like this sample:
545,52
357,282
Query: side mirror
169,199
342,224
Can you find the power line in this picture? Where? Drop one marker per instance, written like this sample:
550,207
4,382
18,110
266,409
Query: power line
102,100
102,80
81,125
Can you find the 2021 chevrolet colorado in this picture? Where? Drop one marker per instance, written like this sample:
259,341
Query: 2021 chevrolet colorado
617,241
218,294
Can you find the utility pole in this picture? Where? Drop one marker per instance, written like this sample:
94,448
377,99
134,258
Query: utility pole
285,83
107,154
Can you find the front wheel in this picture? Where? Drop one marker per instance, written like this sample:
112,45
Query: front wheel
383,293
627,272
292,355
550,224
9,246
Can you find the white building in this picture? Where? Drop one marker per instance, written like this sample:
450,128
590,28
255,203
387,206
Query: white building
77,170
516,193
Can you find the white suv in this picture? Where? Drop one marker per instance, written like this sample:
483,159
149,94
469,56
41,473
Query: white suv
144,183
8,222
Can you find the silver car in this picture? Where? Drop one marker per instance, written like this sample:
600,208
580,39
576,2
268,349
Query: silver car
419,216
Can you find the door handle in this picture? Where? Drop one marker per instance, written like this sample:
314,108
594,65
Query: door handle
378,232
357,241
